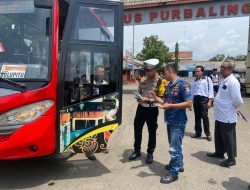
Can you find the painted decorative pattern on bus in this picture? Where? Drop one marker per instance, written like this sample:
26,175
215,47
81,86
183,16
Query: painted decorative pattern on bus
87,126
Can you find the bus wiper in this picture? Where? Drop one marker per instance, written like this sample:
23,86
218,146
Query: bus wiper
21,86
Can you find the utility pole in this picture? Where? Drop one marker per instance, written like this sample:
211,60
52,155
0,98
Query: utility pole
133,52
184,42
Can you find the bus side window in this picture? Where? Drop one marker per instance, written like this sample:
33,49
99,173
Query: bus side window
85,87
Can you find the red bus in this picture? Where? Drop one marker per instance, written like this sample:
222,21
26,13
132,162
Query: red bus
60,76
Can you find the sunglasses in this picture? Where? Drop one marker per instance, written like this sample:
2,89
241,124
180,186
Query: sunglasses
147,70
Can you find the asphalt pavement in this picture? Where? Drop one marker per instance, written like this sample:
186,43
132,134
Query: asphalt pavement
114,171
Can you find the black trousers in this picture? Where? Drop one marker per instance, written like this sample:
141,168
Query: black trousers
201,112
216,88
225,139
148,115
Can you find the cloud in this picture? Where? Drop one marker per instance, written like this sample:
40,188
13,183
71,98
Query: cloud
187,43
232,34
224,45
199,36
229,32
205,46
235,36
171,45
224,42
182,43
214,24
233,49
204,38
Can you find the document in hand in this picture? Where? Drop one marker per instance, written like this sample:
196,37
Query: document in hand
137,96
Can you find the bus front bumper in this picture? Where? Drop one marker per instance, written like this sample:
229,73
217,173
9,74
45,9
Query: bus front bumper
34,139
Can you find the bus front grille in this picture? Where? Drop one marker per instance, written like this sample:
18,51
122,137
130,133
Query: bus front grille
4,138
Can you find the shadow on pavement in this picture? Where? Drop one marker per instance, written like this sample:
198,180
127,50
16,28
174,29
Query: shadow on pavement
188,134
202,156
157,168
235,183
20,174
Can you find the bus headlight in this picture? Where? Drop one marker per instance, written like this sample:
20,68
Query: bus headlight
25,114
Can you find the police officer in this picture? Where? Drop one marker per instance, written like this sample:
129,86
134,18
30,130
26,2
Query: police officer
147,110
203,93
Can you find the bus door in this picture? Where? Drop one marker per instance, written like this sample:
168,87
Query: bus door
90,79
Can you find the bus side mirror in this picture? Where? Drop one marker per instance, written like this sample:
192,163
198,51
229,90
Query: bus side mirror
44,4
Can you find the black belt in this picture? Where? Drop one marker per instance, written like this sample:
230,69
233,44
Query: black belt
199,96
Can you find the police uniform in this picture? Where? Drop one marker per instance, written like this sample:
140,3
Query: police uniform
202,91
147,112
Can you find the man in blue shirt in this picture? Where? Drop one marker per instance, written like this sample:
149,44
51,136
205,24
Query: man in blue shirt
176,99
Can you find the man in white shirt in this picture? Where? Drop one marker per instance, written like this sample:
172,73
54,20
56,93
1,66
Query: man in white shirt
215,79
99,81
226,103
202,92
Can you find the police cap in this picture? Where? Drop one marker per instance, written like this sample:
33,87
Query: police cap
150,63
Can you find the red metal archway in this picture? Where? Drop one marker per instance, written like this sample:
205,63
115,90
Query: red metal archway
139,12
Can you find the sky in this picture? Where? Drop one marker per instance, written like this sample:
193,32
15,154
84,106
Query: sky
206,38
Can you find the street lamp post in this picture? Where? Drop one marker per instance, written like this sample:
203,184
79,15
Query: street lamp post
133,51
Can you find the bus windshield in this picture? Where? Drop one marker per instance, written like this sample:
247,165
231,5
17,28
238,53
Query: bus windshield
24,40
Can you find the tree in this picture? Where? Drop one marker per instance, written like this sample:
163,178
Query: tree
176,54
218,57
241,58
153,47
221,57
230,58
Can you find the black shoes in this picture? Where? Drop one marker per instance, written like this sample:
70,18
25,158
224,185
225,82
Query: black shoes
168,179
167,168
215,155
149,159
209,138
90,156
227,163
195,136
134,155
224,163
